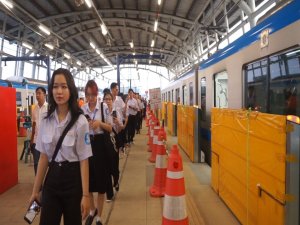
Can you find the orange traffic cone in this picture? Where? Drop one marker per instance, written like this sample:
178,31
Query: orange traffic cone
174,210
154,144
159,186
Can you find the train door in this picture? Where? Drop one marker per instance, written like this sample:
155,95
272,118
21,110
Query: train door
221,90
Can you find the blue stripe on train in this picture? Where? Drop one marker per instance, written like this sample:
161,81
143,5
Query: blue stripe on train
288,15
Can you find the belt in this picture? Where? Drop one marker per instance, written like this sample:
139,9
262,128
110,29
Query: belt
65,163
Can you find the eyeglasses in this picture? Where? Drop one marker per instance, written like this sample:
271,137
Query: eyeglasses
107,99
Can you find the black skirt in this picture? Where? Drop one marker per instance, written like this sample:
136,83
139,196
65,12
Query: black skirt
99,164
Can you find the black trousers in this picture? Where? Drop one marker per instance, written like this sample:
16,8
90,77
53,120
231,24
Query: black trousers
131,124
62,195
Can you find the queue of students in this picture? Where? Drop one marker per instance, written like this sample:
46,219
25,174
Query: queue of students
77,149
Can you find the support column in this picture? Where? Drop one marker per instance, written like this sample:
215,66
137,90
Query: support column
118,71
2,43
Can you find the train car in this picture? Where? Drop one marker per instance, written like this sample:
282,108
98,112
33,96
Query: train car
260,70
25,89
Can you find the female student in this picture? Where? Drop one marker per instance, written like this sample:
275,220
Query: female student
99,162
66,187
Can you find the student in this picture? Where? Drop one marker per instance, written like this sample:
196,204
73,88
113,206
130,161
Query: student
114,119
99,163
132,109
119,106
39,110
65,191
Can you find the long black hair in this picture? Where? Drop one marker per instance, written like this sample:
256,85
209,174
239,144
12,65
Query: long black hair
73,105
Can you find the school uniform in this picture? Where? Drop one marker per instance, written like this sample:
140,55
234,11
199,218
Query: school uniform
119,106
62,191
99,163
38,114
131,113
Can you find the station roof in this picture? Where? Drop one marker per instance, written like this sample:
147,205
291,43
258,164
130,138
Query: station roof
184,29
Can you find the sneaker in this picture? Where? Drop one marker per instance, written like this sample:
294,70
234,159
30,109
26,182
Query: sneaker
89,219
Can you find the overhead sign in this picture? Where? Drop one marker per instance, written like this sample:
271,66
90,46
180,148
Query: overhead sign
155,98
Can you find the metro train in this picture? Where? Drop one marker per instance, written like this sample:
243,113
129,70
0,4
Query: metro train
260,70
25,89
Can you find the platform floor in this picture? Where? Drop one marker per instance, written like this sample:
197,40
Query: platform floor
133,204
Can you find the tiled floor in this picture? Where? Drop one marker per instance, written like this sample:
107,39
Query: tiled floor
133,204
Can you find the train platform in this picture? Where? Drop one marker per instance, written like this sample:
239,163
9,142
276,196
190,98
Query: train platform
133,204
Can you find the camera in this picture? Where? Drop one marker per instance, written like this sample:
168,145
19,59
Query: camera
32,211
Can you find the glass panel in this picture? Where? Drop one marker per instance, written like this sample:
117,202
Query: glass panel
256,85
191,93
185,92
221,87
285,89
203,97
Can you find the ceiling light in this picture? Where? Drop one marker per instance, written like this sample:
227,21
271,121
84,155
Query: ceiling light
151,53
98,52
66,55
93,45
26,45
150,61
133,53
7,3
88,3
44,29
78,63
158,2
49,46
155,25
152,43
131,44
102,56
104,29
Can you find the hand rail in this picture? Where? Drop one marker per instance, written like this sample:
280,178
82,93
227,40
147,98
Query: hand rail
261,189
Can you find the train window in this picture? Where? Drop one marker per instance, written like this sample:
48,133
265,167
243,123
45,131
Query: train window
185,95
191,93
273,86
19,98
169,96
221,90
177,96
256,81
203,97
172,95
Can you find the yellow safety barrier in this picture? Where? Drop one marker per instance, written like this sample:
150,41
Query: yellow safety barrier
164,111
248,164
185,129
170,118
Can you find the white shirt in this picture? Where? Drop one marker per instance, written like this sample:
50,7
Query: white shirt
76,144
37,114
119,106
110,120
96,115
132,103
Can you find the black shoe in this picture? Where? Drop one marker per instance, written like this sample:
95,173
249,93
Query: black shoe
98,223
89,219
